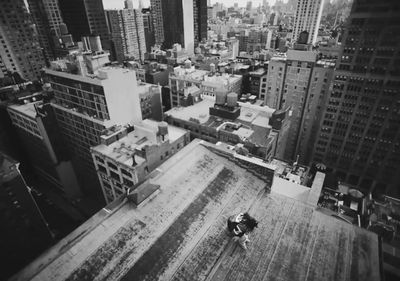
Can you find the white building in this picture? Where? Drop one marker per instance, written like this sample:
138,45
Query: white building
210,82
127,155
86,105
308,17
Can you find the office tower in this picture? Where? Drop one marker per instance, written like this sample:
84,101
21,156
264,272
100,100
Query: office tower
127,34
360,134
157,15
308,17
47,17
314,108
85,17
20,50
87,104
24,232
148,26
200,19
36,126
53,32
176,18
299,66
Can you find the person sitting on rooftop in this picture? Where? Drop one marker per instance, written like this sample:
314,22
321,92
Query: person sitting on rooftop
240,225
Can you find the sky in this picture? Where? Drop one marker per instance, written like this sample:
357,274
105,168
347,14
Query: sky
119,4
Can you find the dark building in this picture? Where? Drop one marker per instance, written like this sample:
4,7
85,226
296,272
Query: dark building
74,15
200,20
360,134
85,17
24,233
52,31
172,14
173,23
148,25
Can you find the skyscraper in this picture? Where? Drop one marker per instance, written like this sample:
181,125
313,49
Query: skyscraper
127,34
47,17
299,67
157,15
53,32
85,17
200,20
177,22
360,134
148,26
19,44
308,17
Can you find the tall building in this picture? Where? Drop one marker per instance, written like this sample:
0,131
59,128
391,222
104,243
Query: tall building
200,20
275,78
47,17
25,233
53,32
127,34
85,17
308,17
314,108
157,15
149,31
360,134
20,50
299,67
36,125
86,105
176,18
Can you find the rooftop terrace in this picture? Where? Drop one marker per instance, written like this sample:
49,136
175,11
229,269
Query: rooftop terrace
186,239
144,134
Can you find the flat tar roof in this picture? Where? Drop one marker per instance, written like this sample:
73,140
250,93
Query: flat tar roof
180,234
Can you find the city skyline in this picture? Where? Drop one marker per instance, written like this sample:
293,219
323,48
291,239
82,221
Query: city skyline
149,143
119,4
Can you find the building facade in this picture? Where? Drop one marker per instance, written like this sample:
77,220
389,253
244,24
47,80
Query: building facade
49,23
157,15
20,50
85,17
127,34
307,18
36,126
127,155
360,134
85,106
148,26
275,78
176,19
200,20
299,67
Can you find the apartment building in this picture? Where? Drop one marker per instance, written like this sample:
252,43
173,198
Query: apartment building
127,155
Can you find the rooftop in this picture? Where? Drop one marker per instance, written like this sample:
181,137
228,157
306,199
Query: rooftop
260,71
186,239
189,73
144,134
27,109
309,56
